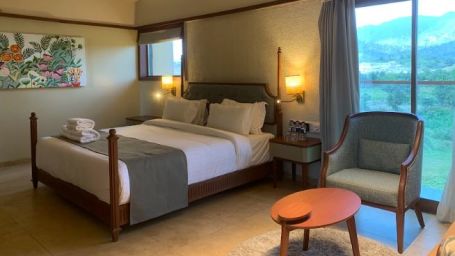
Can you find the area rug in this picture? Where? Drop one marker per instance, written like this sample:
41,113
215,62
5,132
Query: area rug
324,241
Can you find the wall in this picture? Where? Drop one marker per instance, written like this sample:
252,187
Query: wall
110,95
108,11
176,9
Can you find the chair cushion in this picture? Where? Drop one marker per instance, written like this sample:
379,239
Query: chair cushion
447,247
381,155
372,186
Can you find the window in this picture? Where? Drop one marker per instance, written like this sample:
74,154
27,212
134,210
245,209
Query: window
436,90
164,58
391,81
160,53
385,57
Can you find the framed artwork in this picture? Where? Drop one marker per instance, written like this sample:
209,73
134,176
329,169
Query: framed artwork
41,61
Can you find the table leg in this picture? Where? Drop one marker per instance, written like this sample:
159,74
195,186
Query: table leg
293,171
305,177
280,169
353,236
275,171
284,240
306,239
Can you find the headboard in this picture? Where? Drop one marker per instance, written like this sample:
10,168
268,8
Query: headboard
241,92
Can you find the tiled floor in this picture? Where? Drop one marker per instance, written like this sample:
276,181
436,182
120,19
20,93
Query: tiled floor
41,223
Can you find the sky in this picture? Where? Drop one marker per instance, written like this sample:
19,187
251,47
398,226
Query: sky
178,49
375,15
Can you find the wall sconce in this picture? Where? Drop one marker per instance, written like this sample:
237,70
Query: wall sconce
294,86
167,84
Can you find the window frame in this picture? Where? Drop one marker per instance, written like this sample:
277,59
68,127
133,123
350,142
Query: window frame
415,13
143,55
365,3
427,205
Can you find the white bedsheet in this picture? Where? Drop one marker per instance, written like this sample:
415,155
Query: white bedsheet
209,152
261,148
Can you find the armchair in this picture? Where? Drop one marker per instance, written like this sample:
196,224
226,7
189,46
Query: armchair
379,157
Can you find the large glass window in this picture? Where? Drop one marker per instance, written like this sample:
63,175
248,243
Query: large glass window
165,58
384,39
161,53
385,47
436,90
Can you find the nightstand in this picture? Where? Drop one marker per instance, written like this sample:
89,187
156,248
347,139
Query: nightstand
133,120
302,152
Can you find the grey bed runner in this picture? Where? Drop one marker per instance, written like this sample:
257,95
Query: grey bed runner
158,175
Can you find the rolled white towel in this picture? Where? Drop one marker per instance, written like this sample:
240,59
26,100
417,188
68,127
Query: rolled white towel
91,136
81,122
79,127
77,132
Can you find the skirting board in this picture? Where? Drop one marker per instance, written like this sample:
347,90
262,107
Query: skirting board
15,162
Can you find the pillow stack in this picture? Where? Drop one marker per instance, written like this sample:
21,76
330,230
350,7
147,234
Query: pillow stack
187,111
80,130
233,118
242,118
230,115
257,114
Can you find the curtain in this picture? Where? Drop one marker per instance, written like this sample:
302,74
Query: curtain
160,36
446,207
339,71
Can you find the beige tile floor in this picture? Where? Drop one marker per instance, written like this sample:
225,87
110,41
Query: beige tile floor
41,223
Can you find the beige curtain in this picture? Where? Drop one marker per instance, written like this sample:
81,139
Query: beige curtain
339,72
446,207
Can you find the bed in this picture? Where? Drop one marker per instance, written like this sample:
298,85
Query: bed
100,183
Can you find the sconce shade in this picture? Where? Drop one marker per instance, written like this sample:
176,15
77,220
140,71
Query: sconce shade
294,85
167,83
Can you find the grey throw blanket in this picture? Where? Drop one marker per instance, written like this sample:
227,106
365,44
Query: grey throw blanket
158,175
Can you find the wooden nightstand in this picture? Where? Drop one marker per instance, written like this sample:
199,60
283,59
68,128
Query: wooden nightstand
133,120
301,152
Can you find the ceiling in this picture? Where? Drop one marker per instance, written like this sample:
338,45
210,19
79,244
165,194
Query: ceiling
124,12
102,11
154,11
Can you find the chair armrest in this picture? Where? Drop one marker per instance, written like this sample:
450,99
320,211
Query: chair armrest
339,157
411,172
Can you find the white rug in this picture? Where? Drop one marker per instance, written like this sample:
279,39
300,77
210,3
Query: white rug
324,241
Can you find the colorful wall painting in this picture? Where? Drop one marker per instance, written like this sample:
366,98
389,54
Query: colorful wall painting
41,61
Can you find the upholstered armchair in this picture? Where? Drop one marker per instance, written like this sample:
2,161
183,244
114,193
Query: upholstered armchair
379,157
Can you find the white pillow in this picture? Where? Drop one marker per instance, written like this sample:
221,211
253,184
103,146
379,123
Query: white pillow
182,110
201,117
258,113
233,118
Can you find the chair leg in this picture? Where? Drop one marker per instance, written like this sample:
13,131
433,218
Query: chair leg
400,230
419,215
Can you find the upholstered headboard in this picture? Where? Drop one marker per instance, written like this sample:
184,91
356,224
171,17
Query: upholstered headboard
241,92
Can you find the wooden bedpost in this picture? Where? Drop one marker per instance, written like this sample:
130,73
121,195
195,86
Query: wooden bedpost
114,185
33,141
278,111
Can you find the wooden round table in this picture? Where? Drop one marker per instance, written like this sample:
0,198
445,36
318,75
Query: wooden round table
328,206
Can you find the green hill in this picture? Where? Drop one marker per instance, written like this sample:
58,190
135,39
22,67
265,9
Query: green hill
385,49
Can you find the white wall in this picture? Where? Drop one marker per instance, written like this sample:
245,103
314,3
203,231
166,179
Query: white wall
108,11
111,93
153,11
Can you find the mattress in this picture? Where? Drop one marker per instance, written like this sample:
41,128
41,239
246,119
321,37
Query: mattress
210,153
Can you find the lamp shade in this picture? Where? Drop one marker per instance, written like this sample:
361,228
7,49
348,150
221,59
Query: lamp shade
294,84
167,82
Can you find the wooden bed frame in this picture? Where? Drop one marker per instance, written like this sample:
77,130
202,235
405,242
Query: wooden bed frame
116,215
